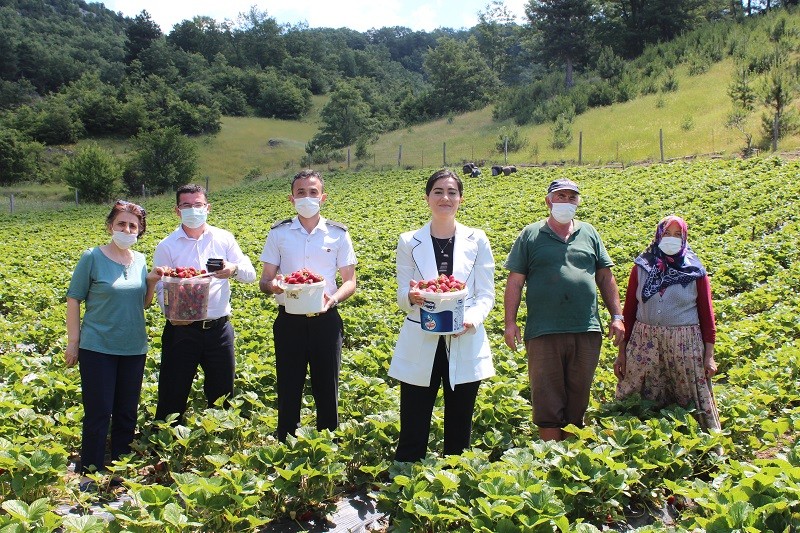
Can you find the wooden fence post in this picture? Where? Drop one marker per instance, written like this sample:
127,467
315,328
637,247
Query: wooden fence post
12,203
580,147
661,142
400,156
444,154
207,185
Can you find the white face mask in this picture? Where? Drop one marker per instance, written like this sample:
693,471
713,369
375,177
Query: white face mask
306,207
563,212
670,245
124,240
194,217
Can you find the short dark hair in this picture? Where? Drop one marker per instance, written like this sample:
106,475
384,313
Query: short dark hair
189,188
307,173
123,206
441,174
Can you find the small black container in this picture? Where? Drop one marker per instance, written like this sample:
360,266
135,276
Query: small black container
212,265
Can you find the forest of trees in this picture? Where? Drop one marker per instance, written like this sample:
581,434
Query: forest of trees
71,69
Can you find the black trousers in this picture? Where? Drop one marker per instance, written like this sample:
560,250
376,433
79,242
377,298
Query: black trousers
313,343
183,349
416,409
110,387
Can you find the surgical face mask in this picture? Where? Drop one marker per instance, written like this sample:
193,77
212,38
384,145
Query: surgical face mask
563,212
124,240
306,207
194,217
670,245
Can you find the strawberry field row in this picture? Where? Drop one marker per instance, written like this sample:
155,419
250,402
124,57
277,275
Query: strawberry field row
224,470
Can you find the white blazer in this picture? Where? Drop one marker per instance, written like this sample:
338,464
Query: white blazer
470,356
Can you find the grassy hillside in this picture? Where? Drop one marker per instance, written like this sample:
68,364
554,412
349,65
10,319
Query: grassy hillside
692,119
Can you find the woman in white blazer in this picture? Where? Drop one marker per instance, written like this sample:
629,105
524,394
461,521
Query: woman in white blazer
424,361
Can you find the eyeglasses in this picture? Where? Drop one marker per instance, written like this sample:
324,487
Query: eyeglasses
123,203
196,205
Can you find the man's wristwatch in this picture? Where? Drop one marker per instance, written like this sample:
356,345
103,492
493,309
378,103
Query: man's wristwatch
621,318
235,271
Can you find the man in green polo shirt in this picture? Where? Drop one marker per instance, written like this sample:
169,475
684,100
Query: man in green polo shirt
563,262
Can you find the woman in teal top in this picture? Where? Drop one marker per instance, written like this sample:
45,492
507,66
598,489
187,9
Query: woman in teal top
111,342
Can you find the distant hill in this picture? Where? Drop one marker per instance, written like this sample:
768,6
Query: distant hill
253,97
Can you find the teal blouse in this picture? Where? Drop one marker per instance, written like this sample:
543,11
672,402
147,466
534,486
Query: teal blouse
113,320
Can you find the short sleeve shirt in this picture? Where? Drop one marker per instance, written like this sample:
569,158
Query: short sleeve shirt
561,291
323,251
178,249
113,296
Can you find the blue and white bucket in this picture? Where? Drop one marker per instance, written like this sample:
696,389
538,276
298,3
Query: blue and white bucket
443,312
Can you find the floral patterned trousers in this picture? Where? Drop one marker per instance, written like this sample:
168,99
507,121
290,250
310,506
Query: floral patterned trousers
664,364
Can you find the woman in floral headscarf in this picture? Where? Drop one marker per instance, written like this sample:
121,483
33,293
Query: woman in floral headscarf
668,353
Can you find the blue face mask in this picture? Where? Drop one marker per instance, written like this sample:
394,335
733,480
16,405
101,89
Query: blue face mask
194,217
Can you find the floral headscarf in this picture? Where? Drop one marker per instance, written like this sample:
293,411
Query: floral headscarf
664,270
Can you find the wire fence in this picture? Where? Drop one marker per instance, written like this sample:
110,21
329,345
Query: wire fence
21,202
462,155
601,152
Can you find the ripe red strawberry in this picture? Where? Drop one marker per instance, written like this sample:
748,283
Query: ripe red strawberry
441,283
302,276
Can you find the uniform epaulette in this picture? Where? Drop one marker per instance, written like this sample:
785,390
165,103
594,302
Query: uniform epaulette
278,223
337,224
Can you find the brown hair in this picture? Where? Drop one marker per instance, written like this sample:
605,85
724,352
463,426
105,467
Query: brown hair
122,206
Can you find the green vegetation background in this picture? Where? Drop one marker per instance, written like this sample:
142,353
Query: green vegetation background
225,471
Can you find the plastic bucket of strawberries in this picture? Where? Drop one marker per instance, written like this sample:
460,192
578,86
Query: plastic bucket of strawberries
304,292
185,294
443,310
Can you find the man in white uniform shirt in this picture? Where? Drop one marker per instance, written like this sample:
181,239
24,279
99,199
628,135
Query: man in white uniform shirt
207,343
302,341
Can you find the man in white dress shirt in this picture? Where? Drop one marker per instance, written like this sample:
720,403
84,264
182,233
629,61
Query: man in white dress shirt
205,343
308,341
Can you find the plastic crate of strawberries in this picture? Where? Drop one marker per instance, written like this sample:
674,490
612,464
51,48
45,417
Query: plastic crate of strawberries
185,293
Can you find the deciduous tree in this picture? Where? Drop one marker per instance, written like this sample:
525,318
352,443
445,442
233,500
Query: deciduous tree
19,158
498,37
459,76
346,118
164,159
93,172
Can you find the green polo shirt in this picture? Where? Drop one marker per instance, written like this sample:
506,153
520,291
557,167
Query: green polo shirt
561,290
